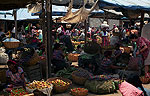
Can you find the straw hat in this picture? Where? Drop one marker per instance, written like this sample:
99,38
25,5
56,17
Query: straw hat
104,25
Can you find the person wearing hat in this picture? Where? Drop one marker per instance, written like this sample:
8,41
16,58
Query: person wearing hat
15,74
105,34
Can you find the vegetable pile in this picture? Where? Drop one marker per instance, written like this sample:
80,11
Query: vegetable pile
66,73
79,92
18,92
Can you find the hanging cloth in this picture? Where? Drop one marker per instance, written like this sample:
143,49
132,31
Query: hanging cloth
78,16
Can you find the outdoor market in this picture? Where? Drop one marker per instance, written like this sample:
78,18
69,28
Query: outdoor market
74,48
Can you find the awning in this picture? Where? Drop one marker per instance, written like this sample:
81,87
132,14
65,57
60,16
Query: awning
126,4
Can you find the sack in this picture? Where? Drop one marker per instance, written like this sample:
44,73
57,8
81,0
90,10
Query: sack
100,87
127,89
134,63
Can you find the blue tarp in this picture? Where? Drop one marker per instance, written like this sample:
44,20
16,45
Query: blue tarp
22,14
126,4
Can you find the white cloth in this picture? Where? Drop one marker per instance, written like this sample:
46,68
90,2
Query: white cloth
104,34
13,30
59,30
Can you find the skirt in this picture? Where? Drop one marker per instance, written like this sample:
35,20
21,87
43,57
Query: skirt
147,60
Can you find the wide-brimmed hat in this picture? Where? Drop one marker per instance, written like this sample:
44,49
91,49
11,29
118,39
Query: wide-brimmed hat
104,25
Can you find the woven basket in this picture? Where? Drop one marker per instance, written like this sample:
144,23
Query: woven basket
145,80
11,44
78,80
79,93
3,76
60,89
73,57
34,59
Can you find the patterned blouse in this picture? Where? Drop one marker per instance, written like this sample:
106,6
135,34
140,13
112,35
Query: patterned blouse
141,42
16,78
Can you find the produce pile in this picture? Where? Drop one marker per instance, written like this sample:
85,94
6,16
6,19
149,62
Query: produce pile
66,73
38,85
18,92
79,92
82,73
59,82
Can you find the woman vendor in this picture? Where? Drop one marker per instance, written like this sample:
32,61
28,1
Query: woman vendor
15,74
105,34
143,46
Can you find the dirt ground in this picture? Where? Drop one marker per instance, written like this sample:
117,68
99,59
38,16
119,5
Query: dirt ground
91,94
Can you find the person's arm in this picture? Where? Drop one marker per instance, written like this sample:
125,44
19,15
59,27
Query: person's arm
23,79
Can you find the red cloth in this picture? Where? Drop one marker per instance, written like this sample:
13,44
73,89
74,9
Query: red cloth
127,89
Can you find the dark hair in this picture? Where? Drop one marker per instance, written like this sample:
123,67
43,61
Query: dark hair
107,53
133,36
134,28
135,81
79,46
56,46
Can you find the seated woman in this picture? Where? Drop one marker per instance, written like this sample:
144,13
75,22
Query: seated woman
106,66
15,74
58,57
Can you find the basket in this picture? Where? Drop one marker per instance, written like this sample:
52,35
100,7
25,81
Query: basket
73,57
79,92
11,44
145,80
60,89
78,80
126,49
34,59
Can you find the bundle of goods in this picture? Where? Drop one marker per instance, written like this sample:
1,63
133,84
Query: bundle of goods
91,48
80,76
79,92
100,87
66,73
100,77
11,43
73,57
29,57
45,87
18,92
3,56
145,80
60,84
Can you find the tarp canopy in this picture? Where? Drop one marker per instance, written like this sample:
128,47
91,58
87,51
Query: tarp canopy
126,4
22,14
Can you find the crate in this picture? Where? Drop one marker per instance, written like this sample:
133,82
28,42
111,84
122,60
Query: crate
34,72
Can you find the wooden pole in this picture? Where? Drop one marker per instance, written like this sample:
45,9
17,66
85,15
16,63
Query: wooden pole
141,23
15,19
49,35
43,22
85,26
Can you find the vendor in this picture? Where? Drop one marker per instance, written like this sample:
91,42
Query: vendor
105,34
15,74
143,46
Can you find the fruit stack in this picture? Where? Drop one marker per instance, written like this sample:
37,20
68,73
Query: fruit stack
79,92
60,84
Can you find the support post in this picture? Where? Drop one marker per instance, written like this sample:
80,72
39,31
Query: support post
43,22
15,19
85,26
141,23
49,35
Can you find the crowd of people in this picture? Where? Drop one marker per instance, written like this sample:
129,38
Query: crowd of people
98,63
